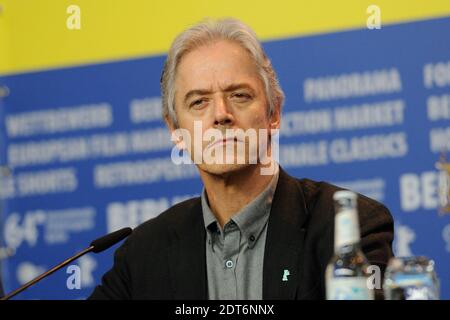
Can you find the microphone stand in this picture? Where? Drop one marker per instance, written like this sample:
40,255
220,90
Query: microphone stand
47,273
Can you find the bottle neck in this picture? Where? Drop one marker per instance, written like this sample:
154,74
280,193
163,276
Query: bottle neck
346,229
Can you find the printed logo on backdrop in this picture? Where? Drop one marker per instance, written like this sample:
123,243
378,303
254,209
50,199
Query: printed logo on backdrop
27,271
428,190
419,190
446,237
444,184
436,75
403,239
319,91
80,276
55,225
134,212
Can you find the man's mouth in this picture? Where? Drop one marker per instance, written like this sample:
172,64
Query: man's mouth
222,142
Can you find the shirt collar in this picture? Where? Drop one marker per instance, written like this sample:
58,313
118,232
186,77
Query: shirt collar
253,217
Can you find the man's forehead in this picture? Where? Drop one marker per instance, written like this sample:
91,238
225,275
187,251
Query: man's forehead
209,58
219,46
216,67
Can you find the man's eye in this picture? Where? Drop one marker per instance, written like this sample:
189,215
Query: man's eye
197,103
241,96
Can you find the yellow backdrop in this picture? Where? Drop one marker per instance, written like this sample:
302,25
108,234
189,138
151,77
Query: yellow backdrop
33,33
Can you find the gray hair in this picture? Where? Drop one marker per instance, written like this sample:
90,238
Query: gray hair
207,32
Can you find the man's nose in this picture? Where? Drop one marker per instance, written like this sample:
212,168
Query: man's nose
222,113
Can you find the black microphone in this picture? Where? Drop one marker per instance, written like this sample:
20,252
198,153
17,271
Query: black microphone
96,246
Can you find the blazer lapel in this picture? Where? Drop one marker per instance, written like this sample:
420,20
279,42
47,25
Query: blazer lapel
284,242
283,249
187,257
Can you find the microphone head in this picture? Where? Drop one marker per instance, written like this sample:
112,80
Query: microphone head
110,239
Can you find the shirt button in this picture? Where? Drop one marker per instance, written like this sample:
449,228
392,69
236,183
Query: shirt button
229,264
252,238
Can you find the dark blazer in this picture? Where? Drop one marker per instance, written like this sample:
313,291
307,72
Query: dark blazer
165,257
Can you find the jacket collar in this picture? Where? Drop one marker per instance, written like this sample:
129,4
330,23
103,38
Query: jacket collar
284,242
283,250
187,255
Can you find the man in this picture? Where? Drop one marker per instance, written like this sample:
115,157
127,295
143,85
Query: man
255,233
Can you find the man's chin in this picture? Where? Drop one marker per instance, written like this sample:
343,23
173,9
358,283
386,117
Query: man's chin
223,169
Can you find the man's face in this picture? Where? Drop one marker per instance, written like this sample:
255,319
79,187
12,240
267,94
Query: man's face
217,86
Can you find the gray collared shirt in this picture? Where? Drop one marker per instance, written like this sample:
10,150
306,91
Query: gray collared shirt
235,255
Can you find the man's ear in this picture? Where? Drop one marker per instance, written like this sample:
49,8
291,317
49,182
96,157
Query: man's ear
170,125
175,138
275,119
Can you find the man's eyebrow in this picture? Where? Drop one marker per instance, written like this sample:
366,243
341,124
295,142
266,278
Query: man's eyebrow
229,88
237,86
196,92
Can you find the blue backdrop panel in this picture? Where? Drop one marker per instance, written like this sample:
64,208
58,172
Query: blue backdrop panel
88,153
